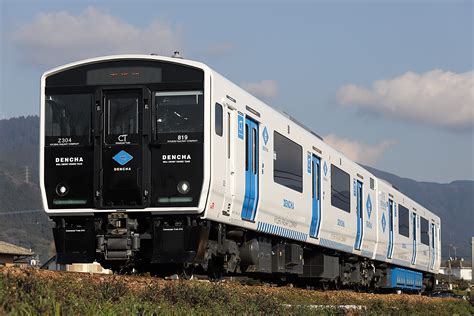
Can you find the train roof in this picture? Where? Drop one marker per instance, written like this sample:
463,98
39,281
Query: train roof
178,60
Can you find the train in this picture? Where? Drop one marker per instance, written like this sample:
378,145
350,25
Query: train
162,165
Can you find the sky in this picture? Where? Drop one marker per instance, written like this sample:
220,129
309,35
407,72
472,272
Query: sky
388,83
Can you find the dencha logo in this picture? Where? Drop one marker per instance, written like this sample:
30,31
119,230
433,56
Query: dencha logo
122,157
179,158
69,161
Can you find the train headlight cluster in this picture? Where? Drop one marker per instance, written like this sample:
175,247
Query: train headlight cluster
183,187
62,189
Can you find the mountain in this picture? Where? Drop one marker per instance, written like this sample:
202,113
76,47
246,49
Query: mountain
22,221
453,202
20,141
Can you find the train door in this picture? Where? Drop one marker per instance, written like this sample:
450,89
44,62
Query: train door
413,257
433,246
230,160
390,229
249,208
360,217
122,168
316,197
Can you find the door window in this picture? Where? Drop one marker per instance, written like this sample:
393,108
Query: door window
122,116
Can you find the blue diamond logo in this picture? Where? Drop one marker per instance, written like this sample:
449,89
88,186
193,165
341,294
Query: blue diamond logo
265,135
325,169
122,158
384,223
369,205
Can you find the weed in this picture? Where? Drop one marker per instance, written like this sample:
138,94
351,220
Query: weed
73,294
113,289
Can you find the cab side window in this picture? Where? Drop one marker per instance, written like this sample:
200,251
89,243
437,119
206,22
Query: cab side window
218,119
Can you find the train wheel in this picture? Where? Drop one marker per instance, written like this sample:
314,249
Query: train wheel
336,285
186,272
324,285
215,269
163,270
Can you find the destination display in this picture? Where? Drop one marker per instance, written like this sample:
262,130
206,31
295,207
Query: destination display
123,75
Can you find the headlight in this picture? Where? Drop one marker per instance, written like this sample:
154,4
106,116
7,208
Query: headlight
62,189
183,187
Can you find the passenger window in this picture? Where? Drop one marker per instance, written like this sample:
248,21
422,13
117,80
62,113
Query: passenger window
340,189
424,229
287,162
403,221
218,119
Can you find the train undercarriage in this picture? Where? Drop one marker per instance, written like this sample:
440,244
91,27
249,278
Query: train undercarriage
185,245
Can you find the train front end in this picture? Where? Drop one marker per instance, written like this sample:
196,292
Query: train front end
123,159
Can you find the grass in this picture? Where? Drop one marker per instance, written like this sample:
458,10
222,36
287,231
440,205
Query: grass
30,292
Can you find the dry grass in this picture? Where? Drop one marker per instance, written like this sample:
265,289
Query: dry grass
28,291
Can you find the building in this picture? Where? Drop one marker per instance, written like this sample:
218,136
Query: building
12,254
457,269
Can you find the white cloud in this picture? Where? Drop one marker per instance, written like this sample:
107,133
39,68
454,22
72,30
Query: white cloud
58,37
437,97
218,50
359,152
265,89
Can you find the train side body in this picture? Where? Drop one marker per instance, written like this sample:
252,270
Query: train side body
338,229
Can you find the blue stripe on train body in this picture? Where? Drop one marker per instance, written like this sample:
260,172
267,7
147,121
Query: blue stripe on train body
360,212
315,166
249,208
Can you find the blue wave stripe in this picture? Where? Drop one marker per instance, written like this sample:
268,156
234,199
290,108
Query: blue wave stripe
281,231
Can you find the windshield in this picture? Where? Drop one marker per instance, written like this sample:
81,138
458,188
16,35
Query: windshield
179,115
68,115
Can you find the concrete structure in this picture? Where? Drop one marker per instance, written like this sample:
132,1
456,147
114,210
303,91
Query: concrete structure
88,268
457,269
11,254
94,267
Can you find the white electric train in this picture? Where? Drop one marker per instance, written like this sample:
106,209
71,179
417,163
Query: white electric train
161,164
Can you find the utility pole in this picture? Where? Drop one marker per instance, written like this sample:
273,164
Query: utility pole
449,266
27,174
